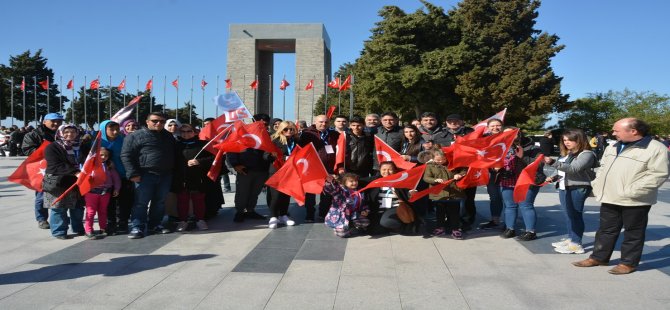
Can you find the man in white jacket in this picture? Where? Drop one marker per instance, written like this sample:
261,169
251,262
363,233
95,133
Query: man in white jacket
631,172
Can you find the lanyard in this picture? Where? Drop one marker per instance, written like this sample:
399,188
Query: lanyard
404,147
324,137
290,146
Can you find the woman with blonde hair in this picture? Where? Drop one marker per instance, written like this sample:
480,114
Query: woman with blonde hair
285,138
574,175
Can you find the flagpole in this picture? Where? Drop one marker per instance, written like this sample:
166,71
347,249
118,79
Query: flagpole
151,103
23,83
283,105
297,94
85,109
11,103
35,96
339,97
190,105
164,90
351,98
325,103
202,123
124,94
110,97
60,90
72,102
270,103
98,102
176,111
48,86
137,107
313,94
256,96
217,93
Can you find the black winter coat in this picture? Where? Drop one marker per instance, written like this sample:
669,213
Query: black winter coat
192,178
149,151
359,154
33,139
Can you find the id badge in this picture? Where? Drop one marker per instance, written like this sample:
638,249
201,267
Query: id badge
329,149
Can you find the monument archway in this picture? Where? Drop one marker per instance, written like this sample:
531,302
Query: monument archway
251,49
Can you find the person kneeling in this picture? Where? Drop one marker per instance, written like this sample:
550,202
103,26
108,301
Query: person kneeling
348,208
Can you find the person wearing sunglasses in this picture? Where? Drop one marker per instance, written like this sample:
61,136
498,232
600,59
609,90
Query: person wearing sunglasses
149,157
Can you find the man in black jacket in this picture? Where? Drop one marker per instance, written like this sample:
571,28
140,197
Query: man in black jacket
359,149
149,156
32,141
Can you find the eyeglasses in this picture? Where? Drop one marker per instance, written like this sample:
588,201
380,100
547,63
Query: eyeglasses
156,121
185,131
288,129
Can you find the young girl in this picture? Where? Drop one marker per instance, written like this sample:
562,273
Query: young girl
347,206
448,201
97,199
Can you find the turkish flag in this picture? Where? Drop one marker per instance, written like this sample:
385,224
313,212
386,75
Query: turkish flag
478,133
92,173
284,83
309,85
435,189
122,85
346,84
331,110
257,137
254,84
287,181
229,83
175,83
341,152
126,112
526,179
216,138
203,84
150,85
31,171
23,84
95,84
215,169
484,152
386,153
500,115
475,177
303,172
403,179
70,84
44,84
214,127
233,142
335,83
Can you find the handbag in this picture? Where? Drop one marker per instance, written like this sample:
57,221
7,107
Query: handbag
405,213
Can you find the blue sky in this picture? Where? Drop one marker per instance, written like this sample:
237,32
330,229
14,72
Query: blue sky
610,45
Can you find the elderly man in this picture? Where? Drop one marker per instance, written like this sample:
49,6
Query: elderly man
148,156
372,123
627,183
325,141
32,141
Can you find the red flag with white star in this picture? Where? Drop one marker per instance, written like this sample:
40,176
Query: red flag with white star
44,84
122,85
203,84
31,172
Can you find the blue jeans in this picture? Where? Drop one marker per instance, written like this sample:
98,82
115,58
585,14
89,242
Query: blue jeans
572,200
60,220
41,213
527,207
495,198
152,188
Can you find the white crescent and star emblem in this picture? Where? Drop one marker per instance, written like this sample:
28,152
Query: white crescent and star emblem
478,174
386,155
403,176
43,167
304,163
257,140
483,153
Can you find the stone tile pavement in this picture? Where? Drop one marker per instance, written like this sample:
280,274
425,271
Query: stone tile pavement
247,266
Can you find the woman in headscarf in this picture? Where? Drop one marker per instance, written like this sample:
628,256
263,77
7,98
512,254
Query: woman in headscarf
128,126
63,158
172,125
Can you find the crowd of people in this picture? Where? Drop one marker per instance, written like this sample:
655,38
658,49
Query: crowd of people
157,180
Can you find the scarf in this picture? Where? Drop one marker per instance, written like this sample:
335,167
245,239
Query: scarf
71,147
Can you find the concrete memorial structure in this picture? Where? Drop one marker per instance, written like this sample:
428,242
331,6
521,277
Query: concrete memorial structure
251,48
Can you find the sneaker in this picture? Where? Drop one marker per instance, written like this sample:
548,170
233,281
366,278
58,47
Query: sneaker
563,242
489,225
92,236
239,217
202,225
135,234
62,237
102,234
570,248
43,225
254,215
457,234
273,223
527,236
160,230
438,232
181,226
508,233
284,219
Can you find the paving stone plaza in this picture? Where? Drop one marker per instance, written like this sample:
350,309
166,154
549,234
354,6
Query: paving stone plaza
248,266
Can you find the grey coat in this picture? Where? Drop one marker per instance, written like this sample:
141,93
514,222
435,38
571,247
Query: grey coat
579,170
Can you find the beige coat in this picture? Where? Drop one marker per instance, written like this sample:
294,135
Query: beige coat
632,178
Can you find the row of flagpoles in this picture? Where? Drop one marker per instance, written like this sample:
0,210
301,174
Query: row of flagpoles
96,85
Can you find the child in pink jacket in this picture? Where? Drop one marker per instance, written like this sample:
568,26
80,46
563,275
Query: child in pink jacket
98,198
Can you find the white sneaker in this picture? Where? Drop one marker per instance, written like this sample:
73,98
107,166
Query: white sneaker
181,226
273,223
570,248
202,225
563,242
284,219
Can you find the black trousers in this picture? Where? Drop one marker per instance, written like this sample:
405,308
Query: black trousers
118,210
449,209
248,187
470,212
612,219
278,203
325,201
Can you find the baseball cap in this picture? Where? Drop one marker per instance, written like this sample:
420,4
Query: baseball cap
53,117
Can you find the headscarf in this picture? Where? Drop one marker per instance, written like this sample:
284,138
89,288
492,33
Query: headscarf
124,123
72,147
172,120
